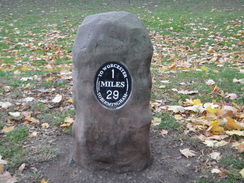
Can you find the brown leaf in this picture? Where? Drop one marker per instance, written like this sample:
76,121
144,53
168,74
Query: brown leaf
7,178
187,152
231,124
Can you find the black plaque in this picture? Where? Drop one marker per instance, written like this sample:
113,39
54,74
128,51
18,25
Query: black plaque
112,85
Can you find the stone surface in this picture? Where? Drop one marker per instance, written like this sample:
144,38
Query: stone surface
106,138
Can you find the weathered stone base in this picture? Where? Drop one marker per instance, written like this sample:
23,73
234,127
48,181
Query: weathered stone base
112,139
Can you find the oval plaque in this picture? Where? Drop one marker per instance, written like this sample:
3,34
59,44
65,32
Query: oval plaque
112,85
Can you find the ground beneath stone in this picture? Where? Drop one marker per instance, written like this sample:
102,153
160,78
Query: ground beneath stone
168,165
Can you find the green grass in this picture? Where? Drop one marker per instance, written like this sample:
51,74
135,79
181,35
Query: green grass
17,135
14,152
55,118
167,122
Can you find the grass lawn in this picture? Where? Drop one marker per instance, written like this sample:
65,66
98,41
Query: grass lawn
197,70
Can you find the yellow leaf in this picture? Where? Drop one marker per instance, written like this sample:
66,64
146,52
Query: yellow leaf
197,102
49,79
227,27
31,119
44,181
156,121
68,119
193,44
231,124
211,110
210,50
204,69
215,128
178,117
66,124
70,100
45,125
164,68
8,129
24,68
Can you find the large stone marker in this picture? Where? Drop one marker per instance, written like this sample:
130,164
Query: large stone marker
111,92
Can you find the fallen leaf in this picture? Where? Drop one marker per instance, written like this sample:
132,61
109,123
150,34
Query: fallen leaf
221,143
7,178
187,152
5,105
1,168
165,81
215,128
49,79
156,121
209,143
231,96
231,124
239,146
215,171
242,173
164,132
14,114
29,99
186,92
235,132
45,125
57,98
22,167
66,125
68,119
32,120
241,81
70,100
204,69
212,110
8,129
215,155
210,82
197,102
44,181
33,134
176,109
2,163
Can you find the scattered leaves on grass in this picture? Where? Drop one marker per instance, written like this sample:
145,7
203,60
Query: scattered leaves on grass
215,121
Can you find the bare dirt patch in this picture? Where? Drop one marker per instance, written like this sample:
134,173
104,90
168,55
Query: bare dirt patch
167,164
